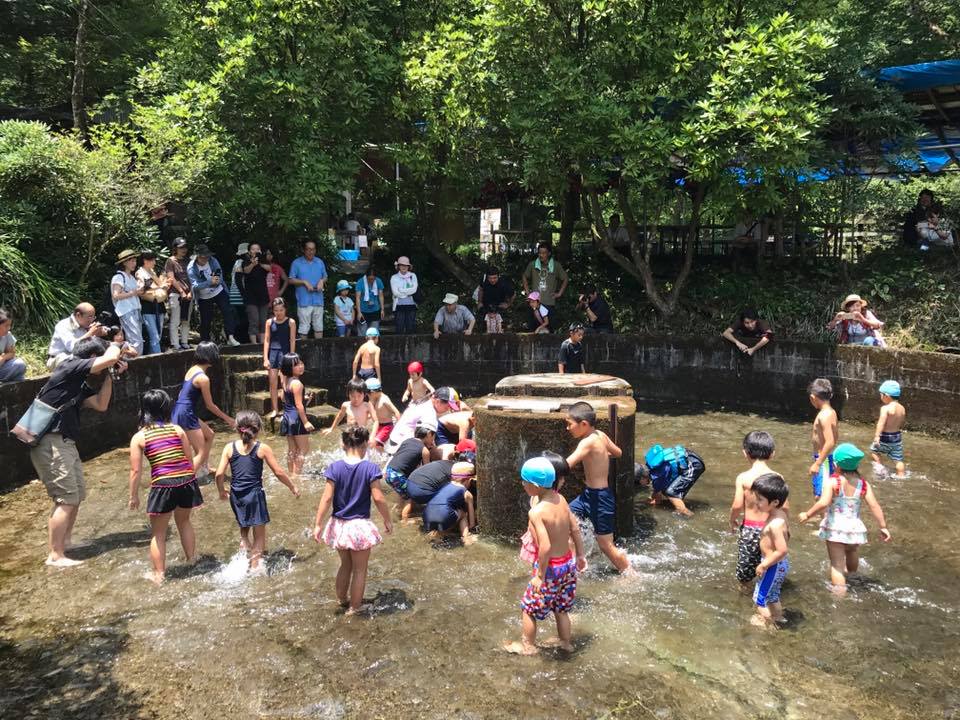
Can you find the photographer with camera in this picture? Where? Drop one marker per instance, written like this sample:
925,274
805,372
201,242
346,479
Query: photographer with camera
81,324
855,325
206,280
256,297
596,309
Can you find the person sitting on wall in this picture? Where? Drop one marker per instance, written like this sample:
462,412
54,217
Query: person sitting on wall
598,311
916,214
12,368
81,325
748,325
453,318
855,325
932,230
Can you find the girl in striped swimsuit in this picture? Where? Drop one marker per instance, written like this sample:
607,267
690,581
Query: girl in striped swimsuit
173,484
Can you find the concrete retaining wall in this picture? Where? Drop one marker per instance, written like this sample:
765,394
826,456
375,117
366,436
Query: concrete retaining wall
689,372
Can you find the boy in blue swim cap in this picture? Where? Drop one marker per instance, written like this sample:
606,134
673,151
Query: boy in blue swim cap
888,439
553,587
366,363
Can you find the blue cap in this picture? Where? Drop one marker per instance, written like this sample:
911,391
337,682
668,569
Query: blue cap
373,332
538,471
890,387
373,384
342,285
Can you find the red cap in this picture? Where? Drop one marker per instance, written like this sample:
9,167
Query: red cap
415,367
466,445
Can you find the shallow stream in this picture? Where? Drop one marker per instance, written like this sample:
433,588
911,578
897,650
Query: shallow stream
99,641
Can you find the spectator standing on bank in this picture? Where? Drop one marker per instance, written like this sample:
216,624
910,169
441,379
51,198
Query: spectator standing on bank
916,214
494,299
403,287
369,291
749,326
125,290
344,310
206,281
12,368
308,274
180,298
545,276
453,318
277,280
81,324
153,300
55,456
237,279
256,299
597,310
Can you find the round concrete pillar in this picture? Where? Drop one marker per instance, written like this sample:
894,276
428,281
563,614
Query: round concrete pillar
526,416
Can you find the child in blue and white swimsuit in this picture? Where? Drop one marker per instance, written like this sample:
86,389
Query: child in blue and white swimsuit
842,527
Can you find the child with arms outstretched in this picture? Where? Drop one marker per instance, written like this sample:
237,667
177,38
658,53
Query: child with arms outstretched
247,498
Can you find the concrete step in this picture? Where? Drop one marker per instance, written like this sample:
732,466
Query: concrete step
319,415
259,401
250,381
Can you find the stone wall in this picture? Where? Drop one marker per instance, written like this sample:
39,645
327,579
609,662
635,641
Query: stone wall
690,372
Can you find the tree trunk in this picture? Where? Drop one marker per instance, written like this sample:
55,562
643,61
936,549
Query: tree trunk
445,229
79,74
569,213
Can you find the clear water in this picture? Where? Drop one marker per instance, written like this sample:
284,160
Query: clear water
99,641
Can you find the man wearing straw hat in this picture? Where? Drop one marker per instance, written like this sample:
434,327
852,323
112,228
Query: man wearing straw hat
125,290
453,318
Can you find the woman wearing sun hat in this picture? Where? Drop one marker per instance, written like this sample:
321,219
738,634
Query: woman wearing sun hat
125,290
403,286
855,325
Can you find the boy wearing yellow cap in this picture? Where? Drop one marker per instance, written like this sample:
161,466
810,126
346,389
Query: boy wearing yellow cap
889,438
553,587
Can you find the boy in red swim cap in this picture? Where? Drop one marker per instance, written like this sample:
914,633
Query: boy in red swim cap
418,389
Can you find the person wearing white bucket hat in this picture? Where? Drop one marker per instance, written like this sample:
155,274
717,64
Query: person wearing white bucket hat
453,318
403,286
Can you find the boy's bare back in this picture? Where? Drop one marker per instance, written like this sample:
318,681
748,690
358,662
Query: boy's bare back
826,418
744,486
595,451
369,352
893,415
552,514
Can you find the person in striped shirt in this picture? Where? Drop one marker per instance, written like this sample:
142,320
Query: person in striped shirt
173,482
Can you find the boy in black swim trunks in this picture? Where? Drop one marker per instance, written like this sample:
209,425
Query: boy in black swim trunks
596,501
758,448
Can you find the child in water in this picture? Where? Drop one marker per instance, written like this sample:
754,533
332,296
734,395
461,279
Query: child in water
247,498
594,450
452,505
889,438
826,434
196,385
553,587
528,541
842,527
366,363
411,454
355,409
173,485
351,484
385,412
279,338
417,386
771,494
295,425
672,473
758,447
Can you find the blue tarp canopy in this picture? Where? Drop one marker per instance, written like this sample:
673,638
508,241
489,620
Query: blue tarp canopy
923,76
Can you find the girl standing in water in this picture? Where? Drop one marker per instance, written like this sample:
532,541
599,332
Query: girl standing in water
247,498
173,486
295,425
196,385
279,338
351,484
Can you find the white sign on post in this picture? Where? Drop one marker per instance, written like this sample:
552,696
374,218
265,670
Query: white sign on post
361,241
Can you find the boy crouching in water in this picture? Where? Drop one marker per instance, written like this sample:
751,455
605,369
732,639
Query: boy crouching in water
553,587
596,502
771,492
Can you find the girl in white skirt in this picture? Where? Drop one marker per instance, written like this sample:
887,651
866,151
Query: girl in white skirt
351,484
